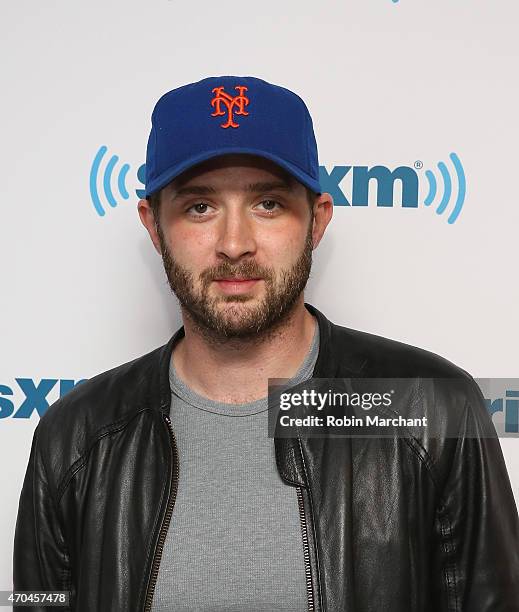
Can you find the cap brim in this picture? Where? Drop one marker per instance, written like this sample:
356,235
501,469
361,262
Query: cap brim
171,173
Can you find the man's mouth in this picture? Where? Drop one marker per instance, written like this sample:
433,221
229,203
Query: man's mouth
235,284
236,278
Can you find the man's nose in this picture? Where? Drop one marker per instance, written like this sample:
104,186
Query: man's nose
236,237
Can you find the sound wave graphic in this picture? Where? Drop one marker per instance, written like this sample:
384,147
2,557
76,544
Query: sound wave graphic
447,188
106,183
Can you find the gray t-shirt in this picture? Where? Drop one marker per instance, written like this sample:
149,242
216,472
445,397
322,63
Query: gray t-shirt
234,542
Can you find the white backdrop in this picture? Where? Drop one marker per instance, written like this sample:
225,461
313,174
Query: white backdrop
388,83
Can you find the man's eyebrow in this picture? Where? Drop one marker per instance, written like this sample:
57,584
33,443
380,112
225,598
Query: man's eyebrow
252,188
269,186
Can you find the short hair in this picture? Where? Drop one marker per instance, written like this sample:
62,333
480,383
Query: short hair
154,201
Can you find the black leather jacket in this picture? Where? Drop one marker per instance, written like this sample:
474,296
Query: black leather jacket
388,525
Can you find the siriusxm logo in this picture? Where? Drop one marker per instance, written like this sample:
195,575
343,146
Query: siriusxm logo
507,407
34,396
107,179
108,184
364,177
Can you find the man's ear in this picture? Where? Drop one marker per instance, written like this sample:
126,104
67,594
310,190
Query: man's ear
148,220
323,212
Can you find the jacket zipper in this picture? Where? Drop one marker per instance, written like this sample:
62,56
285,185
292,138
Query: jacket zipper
306,550
173,486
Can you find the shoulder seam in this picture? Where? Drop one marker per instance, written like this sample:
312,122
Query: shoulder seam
102,432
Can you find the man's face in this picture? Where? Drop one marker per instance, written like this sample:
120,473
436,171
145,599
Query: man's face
236,240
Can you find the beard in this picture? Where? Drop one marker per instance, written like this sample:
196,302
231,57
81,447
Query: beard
223,318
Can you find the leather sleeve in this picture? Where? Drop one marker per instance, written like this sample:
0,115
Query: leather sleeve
476,532
40,560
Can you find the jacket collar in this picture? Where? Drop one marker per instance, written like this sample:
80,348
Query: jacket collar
164,363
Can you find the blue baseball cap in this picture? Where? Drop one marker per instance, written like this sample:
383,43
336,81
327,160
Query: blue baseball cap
230,114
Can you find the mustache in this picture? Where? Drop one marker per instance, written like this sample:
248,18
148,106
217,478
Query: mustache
245,270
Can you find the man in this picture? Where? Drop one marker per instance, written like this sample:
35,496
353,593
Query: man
154,486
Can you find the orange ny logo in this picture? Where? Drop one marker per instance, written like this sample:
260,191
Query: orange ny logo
236,104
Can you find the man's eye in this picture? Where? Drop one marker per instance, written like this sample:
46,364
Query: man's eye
199,208
270,205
